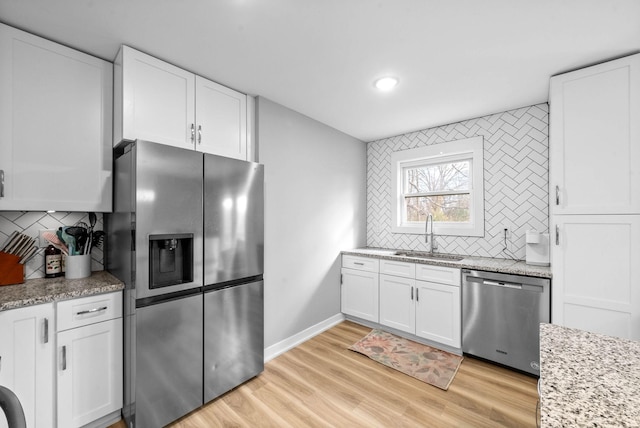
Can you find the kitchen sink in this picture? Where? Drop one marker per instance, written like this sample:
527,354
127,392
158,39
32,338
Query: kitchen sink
430,256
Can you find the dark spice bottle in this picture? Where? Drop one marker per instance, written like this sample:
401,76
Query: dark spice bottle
52,262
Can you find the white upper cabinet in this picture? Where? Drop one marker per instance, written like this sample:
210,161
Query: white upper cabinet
160,102
55,126
222,120
153,100
595,139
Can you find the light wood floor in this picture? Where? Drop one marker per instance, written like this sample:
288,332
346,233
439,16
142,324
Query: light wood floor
322,384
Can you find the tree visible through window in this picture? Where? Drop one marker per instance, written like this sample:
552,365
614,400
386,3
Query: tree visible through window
439,189
445,180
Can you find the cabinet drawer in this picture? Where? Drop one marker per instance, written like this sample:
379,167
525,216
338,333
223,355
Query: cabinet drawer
404,269
88,310
439,274
360,263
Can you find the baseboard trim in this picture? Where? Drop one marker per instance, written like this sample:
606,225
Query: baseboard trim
106,420
291,342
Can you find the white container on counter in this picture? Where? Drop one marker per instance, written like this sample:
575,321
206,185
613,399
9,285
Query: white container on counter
78,266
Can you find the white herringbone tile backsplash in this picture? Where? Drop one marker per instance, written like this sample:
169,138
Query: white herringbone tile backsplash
31,222
516,187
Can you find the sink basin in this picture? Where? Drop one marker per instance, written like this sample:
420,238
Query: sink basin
430,256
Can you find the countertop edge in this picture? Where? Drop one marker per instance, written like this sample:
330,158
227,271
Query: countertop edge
514,267
46,290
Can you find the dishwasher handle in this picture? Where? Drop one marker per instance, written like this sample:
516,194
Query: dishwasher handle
503,284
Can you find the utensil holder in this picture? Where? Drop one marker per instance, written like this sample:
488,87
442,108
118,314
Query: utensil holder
11,271
77,266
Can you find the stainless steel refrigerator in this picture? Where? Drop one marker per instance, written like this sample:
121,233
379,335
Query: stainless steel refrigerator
186,238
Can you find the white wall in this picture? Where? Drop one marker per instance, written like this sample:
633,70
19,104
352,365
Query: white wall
315,206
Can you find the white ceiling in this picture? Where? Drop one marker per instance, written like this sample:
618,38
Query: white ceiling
456,59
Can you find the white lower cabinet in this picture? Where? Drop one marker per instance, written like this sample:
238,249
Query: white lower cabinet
438,313
27,361
81,340
397,307
422,300
596,271
359,287
359,294
89,359
428,309
89,373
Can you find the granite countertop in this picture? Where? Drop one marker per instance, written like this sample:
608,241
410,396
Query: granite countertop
44,290
588,379
515,267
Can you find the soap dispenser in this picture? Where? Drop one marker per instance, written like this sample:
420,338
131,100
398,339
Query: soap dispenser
537,248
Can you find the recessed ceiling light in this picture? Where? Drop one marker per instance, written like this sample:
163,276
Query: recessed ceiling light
386,83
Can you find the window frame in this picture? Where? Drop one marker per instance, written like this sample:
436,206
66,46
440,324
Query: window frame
451,151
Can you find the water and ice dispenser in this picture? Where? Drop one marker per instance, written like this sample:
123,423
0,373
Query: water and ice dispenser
170,259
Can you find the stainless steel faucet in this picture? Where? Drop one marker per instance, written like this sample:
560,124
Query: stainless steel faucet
434,244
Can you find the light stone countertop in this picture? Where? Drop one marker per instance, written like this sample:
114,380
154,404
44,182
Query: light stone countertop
44,290
588,379
508,266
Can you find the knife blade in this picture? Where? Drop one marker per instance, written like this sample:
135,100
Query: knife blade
25,247
17,242
9,240
28,255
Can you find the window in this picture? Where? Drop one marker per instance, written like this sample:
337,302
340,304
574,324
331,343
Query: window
444,180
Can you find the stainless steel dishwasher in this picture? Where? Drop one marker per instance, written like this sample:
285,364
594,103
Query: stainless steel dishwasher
501,315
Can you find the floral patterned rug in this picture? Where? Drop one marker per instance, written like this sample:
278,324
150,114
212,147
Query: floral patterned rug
430,365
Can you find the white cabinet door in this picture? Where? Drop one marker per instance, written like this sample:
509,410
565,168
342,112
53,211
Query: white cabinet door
596,274
55,126
27,361
221,118
89,372
359,294
397,308
595,139
154,100
438,315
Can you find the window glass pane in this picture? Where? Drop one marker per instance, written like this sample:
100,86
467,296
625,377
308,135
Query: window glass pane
450,208
437,177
